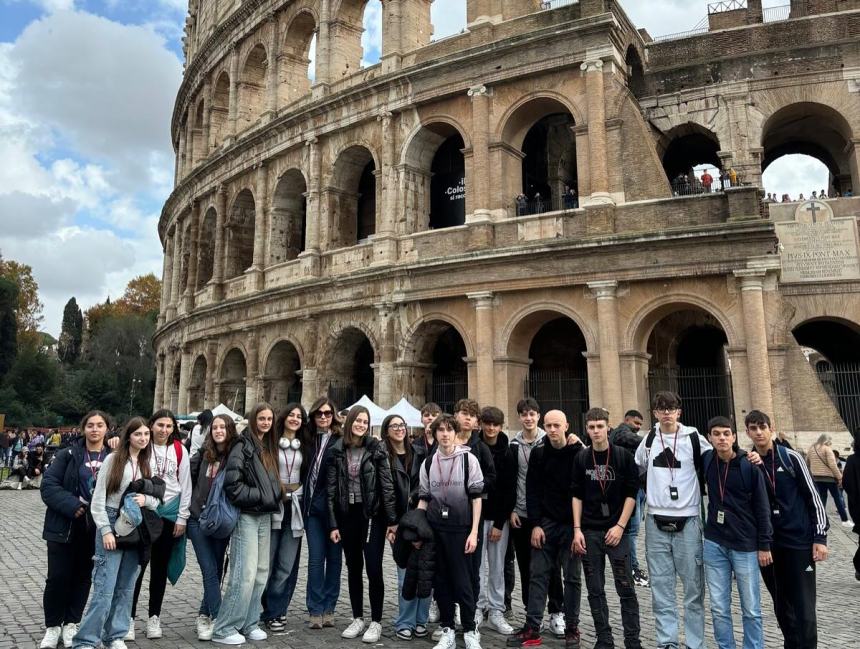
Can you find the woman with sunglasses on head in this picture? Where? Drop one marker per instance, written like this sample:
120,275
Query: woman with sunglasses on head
115,568
69,530
288,526
169,461
324,556
361,514
251,483
206,464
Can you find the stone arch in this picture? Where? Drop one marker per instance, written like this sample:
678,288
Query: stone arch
175,379
198,146
348,364
345,36
434,362
252,88
197,384
635,72
532,316
685,147
288,217
206,248
186,252
649,314
294,62
220,103
521,115
407,350
232,379
434,169
351,196
282,382
240,223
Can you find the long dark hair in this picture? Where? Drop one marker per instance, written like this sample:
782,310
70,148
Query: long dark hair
164,413
349,439
269,443
303,434
96,413
312,422
407,443
121,455
210,450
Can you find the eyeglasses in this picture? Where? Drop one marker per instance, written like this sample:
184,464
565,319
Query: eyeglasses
397,427
665,411
324,413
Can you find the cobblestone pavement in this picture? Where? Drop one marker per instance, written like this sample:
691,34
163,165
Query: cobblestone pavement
22,557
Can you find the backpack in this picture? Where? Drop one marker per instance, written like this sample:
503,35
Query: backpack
177,448
429,460
697,460
219,516
746,470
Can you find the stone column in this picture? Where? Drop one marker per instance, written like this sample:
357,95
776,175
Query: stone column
159,381
210,396
853,151
480,182
189,143
610,361
180,156
166,268
322,76
272,69
595,379
194,245
207,121
184,379
233,105
311,255
252,372
310,386
170,361
755,333
177,264
261,201
384,242
220,244
484,375
634,378
594,87
172,274
387,394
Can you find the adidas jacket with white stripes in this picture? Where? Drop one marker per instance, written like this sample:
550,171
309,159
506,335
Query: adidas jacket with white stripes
797,514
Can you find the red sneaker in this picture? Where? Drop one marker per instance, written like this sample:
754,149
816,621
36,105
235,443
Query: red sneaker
525,637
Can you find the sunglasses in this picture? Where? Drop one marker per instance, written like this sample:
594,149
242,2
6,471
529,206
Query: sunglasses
324,413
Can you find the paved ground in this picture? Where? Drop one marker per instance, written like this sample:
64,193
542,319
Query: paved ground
22,565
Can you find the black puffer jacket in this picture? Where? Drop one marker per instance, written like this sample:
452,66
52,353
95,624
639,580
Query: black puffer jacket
420,564
403,486
247,483
625,437
377,487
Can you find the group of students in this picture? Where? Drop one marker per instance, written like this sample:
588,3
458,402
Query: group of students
456,504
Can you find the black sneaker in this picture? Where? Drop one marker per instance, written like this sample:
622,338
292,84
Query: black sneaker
640,578
572,639
275,625
525,637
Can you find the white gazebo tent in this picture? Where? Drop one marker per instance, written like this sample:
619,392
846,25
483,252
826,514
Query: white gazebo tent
410,414
377,414
221,409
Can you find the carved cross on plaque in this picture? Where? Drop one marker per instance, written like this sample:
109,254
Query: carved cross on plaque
814,209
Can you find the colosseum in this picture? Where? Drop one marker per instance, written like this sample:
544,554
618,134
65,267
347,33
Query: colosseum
508,210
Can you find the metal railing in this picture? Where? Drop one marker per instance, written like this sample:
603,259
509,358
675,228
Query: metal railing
563,389
555,4
726,5
776,14
447,389
841,381
696,188
705,392
540,205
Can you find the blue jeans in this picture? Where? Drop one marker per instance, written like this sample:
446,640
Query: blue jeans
720,563
249,570
324,565
410,613
7,456
632,531
284,559
671,555
114,574
210,557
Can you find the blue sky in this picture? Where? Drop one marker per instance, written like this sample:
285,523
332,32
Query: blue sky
86,95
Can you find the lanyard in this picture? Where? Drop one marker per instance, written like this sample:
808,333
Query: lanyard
289,464
771,477
723,481
445,482
321,446
674,454
602,476
99,458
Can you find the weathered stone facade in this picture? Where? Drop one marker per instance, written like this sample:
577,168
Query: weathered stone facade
309,245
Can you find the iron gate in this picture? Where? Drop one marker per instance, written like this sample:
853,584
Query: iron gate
564,389
346,393
705,392
842,383
447,389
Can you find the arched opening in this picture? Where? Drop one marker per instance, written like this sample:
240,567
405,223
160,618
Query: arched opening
689,151
796,177
635,73
198,147
197,385
544,176
282,381
206,249
252,88
352,197
832,346
437,364
185,261
295,69
371,37
347,35
687,349
231,386
240,235
447,19
220,110
175,377
448,184
288,216
349,370
814,130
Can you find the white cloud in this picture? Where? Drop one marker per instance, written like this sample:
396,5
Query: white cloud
448,16
371,38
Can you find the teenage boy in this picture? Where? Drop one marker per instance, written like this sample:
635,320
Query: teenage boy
521,448
626,434
738,536
605,483
423,446
670,457
799,534
549,509
495,512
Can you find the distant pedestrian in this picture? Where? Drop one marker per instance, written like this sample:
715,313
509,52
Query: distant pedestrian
707,181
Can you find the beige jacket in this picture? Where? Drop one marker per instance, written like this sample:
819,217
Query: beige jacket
822,463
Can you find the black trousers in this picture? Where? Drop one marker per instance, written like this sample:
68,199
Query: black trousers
158,560
363,552
510,572
857,562
70,569
454,582
522,540
555,552
594,567
790,580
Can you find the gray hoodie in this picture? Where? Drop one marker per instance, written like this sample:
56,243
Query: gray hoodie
443,488
523,450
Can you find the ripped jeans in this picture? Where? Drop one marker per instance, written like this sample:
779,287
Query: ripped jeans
594,567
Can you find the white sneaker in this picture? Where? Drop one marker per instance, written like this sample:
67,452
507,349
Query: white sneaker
447,640
52,637
153,628
479,618
129,637
69,631
457,621
556,624
117,644
257,634
355,629
497,622
433,616
437,633
205,627
233,638
373,633
472,639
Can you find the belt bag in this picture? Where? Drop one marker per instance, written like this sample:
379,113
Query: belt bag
670,524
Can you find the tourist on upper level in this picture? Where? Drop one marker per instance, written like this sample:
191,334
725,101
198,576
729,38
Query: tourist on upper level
324,556
361,514
707,181
522,204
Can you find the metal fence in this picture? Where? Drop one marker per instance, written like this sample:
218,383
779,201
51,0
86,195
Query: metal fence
565,390
726,5
555,4
705,392
775,14
842,383
447,389
346,393
541,205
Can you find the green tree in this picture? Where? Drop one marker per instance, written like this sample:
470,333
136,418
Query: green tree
8,325
29,311
72,333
